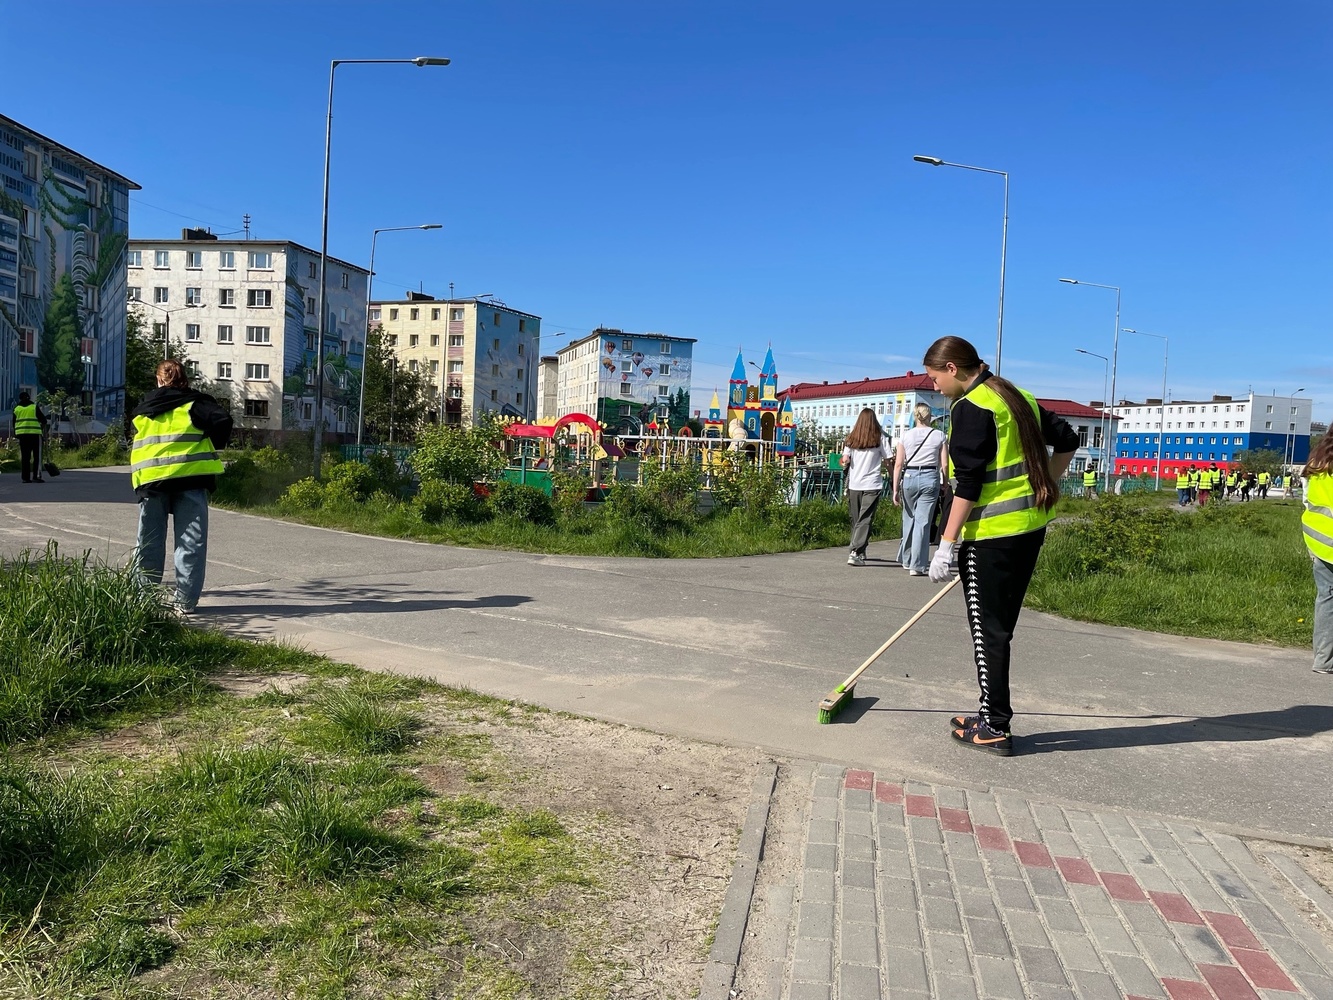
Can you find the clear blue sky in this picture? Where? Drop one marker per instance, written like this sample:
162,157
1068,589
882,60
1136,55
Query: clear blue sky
742,172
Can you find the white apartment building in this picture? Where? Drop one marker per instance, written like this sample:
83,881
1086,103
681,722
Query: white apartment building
548,387
479,353
245,312
624,379
835,407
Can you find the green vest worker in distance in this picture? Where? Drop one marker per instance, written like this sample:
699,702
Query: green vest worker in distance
1182,487
1090,482
173,465
29,426
1317,526
1007,487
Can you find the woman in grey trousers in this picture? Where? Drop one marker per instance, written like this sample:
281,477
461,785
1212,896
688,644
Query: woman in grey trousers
863,460
920,463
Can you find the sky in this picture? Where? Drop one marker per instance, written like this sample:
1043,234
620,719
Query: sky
742,173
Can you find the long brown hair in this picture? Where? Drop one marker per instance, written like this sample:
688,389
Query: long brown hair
173,373
1320,461
960,353
866,432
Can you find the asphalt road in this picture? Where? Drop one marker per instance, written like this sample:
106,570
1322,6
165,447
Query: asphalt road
741,651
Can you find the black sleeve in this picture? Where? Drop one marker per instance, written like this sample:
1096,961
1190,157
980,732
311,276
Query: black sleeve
972,446
212,419
1057,432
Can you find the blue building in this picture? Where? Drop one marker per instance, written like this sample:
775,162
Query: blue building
61,216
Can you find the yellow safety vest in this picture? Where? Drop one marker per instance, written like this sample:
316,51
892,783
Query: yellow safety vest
1089,478
1231,479
1216,476
25,420
1008,503
1264,477
1317,521
169,446
1182,480
1194,477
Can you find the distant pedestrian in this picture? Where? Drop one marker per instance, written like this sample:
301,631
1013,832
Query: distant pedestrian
863,460
919,463
1264,479
29,425
1206,485
1182,487
1233,481
173,465
1246,484
1008,485
1194,484
1317,525
1090,482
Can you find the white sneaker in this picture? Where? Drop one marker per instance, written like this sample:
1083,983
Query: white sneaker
915,572
855,560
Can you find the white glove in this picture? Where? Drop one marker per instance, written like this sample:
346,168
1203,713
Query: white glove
941,567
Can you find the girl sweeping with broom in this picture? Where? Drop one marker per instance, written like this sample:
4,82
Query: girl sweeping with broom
1007,485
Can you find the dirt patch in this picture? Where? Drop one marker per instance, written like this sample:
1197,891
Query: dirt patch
1317,863
249,685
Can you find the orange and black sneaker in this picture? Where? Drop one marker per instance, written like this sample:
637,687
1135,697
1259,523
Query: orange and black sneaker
964,721
980,736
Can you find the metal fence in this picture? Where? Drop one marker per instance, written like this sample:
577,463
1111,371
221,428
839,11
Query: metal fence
400,453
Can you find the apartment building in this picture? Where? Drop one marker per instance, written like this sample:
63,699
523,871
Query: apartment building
548,387
1094,427
245,312
479,354
63,217
625,379
835,407
1212,430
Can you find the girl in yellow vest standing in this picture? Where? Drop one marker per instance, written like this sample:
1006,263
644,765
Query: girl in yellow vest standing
1317,526
29,426
173,465
1007,485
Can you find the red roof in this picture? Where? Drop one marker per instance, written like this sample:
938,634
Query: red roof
1069,408
867,386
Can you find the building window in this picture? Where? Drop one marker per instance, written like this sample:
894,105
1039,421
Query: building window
312,269
1268,425
520,350
495,370
227,298
393,314
257,335
1269,408
413,366
518,399
161,295
259,260
627,344
134,293
192,368
455,367
519,376
346,280
194,260
227,260
256,373
256,407
224,335
413,340
434,367
310,304
434,340
259,298
161,258
224,371
495,344
27,340
627,365
393,340
134,258
375,315
194,296
192,333
413,313
456,340
665,370
1293,411
625,388
495,395
666,347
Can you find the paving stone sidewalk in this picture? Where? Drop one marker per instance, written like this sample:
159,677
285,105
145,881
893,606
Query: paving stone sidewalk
905,891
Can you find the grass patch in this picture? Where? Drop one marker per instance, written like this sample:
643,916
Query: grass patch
1228,571
278,842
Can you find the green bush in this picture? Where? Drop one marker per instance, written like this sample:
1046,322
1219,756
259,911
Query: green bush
436,502
674,490
756,492
304,494
1116,533
254,478
812,522
353,480
569,490
451,454
636,512
520,502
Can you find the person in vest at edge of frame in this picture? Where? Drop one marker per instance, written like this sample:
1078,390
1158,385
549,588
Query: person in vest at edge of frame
29,426
173,465
1317,525
1007,487
1090,482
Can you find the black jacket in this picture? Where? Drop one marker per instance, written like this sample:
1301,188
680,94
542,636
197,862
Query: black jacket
205,413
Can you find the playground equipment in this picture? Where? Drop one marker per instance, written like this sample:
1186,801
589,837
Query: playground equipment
572,444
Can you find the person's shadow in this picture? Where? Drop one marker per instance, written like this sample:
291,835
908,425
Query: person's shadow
320,598
1242,727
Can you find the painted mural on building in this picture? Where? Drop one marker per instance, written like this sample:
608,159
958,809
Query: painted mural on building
644,377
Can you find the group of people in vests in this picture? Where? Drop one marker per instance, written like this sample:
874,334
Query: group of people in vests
1197,485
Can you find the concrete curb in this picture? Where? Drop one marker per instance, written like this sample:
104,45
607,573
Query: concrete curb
1303,883
725,955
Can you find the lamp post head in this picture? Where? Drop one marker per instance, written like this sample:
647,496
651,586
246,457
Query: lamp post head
432,225
430,61
1125,329
1070,281
934,161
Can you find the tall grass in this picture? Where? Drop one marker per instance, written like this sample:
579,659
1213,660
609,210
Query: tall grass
1230,571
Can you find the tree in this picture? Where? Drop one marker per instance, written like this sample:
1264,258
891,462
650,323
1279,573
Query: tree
678,407
1258,460
142,355
394,395
59,358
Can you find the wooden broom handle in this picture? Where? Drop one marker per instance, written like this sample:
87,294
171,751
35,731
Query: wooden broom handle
899,634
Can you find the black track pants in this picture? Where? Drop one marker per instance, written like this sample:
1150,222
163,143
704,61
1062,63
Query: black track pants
995,575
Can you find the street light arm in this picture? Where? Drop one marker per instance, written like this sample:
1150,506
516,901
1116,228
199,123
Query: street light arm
935,161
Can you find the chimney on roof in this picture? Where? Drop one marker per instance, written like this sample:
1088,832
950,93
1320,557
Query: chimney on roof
826,381
419,297
1150,401
197,234
1096,404
910,373
1221,399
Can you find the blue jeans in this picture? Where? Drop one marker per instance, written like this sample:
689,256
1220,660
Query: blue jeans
920,489
189,515
1323,616
1182,495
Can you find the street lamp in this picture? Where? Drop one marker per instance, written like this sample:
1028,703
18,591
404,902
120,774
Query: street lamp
1115,349
1161,429
935,161
166,337
1105,368
370,284
324,243
1290,444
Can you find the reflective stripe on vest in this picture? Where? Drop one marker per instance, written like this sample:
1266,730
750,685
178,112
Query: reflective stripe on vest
1317,521
25,420
169,446
1008,503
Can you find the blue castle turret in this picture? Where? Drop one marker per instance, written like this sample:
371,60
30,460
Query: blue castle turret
768,383
739,383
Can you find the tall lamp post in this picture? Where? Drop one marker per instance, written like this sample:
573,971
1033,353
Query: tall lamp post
370,285
935,161
166,335
1115,354
1161,428
324,242
1106,367
1290,445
